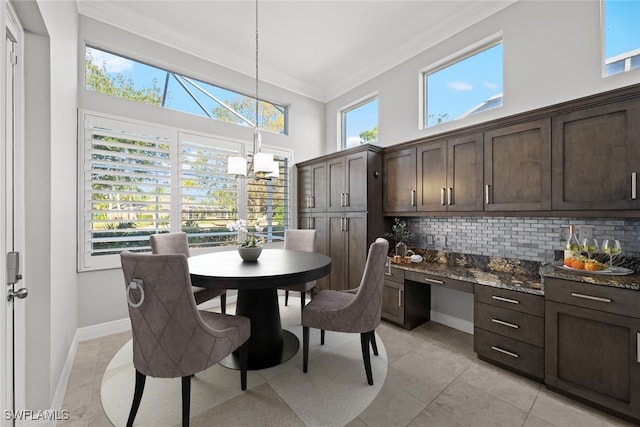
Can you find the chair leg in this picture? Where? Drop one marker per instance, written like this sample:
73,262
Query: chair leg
366,356
286,297
305,348
137,397
321,336
223,303
244,352
186,400
374,345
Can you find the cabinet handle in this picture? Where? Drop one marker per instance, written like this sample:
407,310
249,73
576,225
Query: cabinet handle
313,201
590,297
347,199
503,351
503,323
388,265
308,222
638,347
437,282
346,224
341,224
342,202
450,196
486,194
509,300
442,196
308,201
400,298
413,197
313,222
634,184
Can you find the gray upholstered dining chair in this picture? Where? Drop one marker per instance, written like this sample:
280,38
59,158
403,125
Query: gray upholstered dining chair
348,312
299,240
178,243
171,337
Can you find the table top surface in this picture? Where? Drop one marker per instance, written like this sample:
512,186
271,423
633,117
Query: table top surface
275,267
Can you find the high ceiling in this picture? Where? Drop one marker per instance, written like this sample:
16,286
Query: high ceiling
316,48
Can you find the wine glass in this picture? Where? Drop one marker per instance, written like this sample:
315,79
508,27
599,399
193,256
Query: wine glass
612,248
589,245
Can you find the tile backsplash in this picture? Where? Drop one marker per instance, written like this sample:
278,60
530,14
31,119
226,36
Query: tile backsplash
529,238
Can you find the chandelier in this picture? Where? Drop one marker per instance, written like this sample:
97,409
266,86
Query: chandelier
262,165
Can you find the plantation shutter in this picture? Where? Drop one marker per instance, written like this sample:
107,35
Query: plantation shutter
126,186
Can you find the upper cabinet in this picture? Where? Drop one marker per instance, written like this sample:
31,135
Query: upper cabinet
347,183
450,175
312,187
577,158
596,157
517,167
399,183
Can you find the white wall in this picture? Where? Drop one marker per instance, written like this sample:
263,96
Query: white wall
101,293
552,53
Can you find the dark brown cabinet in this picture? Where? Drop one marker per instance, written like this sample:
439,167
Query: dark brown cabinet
407,304
592,347
399,181
349,218
517,167
596,157
312,187
450,175
509,329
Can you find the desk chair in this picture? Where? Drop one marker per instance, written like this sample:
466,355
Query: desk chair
178,243
171,337
350,312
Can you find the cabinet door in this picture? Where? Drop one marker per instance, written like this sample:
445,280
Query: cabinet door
593,355
517,171
336,184
596,156
432,176
304,188
393,302
356,247
336,237
356,182
399,183
318,222
319,187
464,173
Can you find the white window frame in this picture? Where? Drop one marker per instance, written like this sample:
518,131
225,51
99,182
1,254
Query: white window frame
86,262
455,57
352,106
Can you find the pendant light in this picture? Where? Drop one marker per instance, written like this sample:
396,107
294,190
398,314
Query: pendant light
262,165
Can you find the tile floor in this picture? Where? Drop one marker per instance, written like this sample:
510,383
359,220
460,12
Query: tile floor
433,379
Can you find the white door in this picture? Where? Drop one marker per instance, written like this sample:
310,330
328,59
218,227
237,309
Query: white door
12,306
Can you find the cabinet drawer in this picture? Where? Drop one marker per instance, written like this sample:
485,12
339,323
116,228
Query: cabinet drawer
509,352
521,326
597,297
396,275
444,282
513,300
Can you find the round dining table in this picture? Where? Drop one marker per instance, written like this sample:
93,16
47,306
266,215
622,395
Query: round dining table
257,284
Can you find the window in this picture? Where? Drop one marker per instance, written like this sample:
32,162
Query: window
125,78
621,36
468,85
141,179
360,124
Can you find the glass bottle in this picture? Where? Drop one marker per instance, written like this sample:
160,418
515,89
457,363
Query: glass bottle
572,247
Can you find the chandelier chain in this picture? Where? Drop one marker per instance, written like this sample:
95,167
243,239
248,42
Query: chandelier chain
257,94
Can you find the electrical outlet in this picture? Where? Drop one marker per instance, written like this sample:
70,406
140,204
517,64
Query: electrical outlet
441,240
585,232
430,239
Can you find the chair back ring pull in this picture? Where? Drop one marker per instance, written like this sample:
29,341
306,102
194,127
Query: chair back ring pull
135,284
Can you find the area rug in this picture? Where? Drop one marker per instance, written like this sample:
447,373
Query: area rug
332,393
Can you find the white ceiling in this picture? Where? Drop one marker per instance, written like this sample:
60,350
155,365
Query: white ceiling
319,48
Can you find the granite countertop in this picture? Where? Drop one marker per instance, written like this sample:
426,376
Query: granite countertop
514,274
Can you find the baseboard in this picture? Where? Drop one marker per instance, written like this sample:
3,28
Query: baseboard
452,322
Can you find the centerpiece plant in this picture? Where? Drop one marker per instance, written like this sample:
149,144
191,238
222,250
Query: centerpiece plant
246,239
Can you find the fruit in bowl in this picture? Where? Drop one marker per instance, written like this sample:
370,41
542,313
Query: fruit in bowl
584,263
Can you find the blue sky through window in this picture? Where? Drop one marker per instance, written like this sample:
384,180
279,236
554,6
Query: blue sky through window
359,119
622,26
